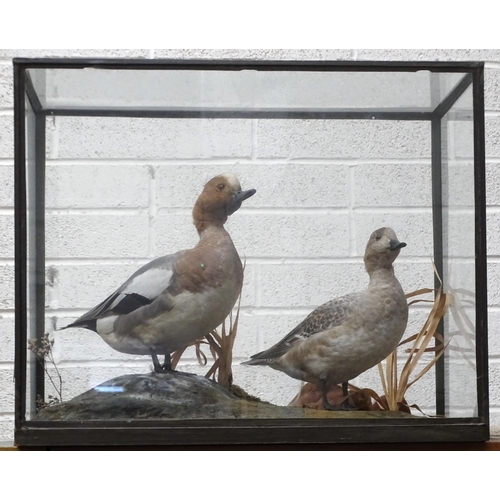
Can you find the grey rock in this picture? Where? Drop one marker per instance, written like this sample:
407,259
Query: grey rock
174,395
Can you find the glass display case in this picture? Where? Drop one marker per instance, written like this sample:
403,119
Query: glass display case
112,155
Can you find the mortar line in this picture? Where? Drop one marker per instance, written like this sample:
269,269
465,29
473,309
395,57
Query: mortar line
255,311
152,211
242,160
352,225
254,141
90,211
258,302
53,131
96,211
254,261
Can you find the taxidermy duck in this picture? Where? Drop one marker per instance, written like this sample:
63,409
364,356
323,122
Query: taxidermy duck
176,299
346,336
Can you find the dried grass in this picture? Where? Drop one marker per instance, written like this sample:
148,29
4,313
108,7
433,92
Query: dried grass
395,385
42,349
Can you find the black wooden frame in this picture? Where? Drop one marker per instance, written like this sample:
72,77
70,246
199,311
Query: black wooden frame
253,432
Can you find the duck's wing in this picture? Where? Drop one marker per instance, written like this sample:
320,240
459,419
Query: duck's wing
141,289
324,317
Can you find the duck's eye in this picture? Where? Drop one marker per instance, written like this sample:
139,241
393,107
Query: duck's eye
220,187
378,237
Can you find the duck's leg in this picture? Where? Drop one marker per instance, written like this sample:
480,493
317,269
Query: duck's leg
346,405
324,391
345,388
161,368
167,363
156,363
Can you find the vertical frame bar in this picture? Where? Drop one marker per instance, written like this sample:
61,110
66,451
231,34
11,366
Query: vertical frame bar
439,140
437,223
481,254
20,244
38,247
35,175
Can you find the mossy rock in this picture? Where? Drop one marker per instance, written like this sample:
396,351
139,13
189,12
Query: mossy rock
177,395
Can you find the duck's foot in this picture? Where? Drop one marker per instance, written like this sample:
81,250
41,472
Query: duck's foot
345,405
161,368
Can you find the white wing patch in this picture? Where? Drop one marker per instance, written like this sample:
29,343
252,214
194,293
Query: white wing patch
149,284
118,299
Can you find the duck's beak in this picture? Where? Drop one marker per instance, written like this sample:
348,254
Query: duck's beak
238,198
396,245
243,195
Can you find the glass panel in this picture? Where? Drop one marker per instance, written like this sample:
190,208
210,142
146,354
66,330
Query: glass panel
154,89
119,192
33,273
114,205
459,257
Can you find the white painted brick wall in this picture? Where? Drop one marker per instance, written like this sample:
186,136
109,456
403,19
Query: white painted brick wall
6,135
7,343
7,183
114,201
343,139
105,235
94,187
7,288
86,137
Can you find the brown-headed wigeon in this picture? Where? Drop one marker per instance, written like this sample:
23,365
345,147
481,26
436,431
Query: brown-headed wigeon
176,299
346,336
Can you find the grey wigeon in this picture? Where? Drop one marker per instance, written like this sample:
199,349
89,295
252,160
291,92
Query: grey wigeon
176,299
346,336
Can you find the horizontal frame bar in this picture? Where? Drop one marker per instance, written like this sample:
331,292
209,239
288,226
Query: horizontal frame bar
260,431
274,114
240,64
